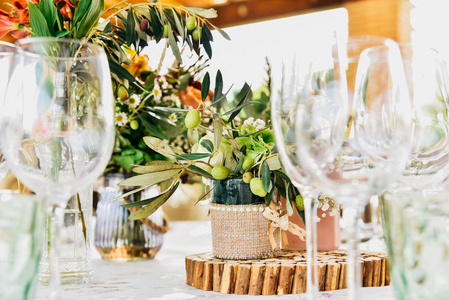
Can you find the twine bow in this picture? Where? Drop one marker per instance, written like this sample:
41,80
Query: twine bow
281,222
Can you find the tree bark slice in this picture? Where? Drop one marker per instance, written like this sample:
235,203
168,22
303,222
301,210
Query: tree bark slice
286,274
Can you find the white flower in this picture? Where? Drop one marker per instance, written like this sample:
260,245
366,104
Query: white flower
332,213
325,206
117,109
121,119
173,117
157,92
133,101
259,124
163,83
249,121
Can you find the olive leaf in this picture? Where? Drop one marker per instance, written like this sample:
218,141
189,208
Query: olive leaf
198,171
192,135
160,146
239,163
205,85
274,163
208,145
149,200
192,156
207,38
150,178
222,32
218,91
130,28
218,133
202,12
173,44
266,175
288,200
156,166
150,208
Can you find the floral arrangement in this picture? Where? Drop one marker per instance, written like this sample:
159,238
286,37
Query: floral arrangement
123,31
232,147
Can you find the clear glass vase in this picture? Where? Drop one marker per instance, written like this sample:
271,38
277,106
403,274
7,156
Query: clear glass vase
120,239
76,242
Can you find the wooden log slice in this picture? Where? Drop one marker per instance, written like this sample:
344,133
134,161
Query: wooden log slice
286,274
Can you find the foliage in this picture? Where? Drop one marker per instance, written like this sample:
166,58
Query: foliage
244,149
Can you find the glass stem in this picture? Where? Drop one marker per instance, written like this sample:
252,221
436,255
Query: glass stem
354,266
310,207
56,223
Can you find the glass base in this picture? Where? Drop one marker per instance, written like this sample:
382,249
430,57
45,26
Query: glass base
125,254
68,278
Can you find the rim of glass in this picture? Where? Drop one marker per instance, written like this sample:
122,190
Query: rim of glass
4,46
43,40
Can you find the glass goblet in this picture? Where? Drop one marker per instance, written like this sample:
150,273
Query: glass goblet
58,128
356,163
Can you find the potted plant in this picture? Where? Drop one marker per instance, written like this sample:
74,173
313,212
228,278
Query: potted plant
237,159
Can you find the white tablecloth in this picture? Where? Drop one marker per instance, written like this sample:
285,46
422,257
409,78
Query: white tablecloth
163,278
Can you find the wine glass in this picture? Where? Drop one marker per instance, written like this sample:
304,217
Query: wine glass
6,54
355,160
58,128
428,165
288,82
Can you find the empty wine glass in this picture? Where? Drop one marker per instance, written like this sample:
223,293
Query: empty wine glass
428,165
6,54
58,128
355,162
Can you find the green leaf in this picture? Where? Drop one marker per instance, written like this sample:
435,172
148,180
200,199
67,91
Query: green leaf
178,23
130,28
204,196
149,200
159,146
156,25
217,100
218,92
173,44
205,85
81,9
205,13
218,133
208,145
149,209
192,156
222,32
274,163
198,171
150,178
60,34
266,175
86,23
49,11
156,166
239,163
242,95
205,33
37,21
153,129
236,110
269,197
120,71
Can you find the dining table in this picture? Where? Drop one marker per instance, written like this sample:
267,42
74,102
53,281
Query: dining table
164,277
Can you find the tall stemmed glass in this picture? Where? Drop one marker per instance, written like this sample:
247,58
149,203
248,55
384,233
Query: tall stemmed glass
58,131
6,55
288,82
355,163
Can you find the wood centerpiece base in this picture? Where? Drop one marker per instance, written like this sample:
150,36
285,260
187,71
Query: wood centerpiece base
285,274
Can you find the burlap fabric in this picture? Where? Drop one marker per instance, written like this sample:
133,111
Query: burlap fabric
240,232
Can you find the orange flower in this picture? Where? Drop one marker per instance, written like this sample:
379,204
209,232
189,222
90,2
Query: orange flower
7,26
139,65
15,21
64,8
192,97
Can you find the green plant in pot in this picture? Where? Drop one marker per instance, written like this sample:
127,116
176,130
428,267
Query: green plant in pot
237,157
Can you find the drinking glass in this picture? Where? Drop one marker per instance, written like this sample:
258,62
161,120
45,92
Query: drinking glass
353,161
6,54
58,131
428,164
22,221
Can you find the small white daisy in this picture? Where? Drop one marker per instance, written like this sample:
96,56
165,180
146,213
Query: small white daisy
157,92
133,101
163,83
173,117
121,119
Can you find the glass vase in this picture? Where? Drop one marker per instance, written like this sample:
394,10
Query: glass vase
120,239
76,242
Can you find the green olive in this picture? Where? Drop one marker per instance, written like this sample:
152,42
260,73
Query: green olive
299,203
220,172
196,34
114,86
166,30
248,162
191,23
247,177
134,124
122,93
193,118
256,187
